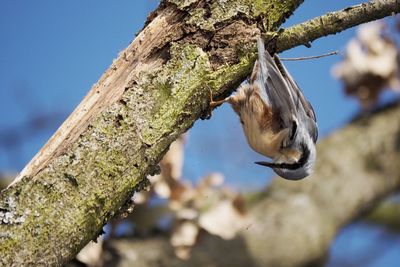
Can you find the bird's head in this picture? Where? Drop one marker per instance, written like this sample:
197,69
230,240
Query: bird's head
295,170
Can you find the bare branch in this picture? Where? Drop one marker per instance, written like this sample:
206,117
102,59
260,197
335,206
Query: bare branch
309,57
335,22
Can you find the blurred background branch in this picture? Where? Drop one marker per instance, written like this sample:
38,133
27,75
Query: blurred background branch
386,214
294,223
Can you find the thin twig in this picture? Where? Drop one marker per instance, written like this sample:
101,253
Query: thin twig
310,57
334,22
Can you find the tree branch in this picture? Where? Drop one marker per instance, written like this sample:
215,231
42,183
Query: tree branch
149,96
387,214
152,93
335,22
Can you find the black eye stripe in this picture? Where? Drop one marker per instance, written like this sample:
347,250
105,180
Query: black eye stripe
294,130
290,166
300,163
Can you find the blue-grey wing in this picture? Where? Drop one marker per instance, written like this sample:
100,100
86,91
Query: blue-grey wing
273,87
303,106
302,102
281,92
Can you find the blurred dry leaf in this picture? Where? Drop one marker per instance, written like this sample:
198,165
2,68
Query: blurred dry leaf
224,220
186,213
207,205
183,252
185,234
141,197
91,253
211,207
172,163
213,179
184,237
166,183
371,64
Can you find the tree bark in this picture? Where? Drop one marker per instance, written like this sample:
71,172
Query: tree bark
153,92
292,224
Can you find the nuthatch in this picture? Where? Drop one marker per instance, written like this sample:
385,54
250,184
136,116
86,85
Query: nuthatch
277,119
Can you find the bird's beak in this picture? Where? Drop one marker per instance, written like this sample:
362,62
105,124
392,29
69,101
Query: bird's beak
267,164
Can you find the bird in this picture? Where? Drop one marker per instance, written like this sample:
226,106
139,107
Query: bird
276,118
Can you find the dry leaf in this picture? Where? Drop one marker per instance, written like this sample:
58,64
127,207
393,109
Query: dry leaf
91,253
185,234
172,163
206,205
371,64
223,220
183,252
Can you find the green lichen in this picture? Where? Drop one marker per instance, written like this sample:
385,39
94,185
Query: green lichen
178,81
102,178
234,73
186,75
272,13
218,11
197,18
182,4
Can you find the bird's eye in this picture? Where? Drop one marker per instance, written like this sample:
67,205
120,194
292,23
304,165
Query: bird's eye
289,140
293,130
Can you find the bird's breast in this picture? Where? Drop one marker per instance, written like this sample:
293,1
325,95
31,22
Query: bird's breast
261,139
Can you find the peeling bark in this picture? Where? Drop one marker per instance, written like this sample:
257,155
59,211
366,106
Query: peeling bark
153,92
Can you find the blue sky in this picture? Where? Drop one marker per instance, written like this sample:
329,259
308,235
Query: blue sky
53,51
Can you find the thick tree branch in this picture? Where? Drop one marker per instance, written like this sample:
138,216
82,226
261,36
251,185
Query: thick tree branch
149,96
335,22
152,93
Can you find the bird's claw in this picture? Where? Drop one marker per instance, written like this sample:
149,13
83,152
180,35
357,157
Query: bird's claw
210,107
213,104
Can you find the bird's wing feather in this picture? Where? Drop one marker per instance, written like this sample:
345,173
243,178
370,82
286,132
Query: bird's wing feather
281,92
303,107
273,86
295,88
